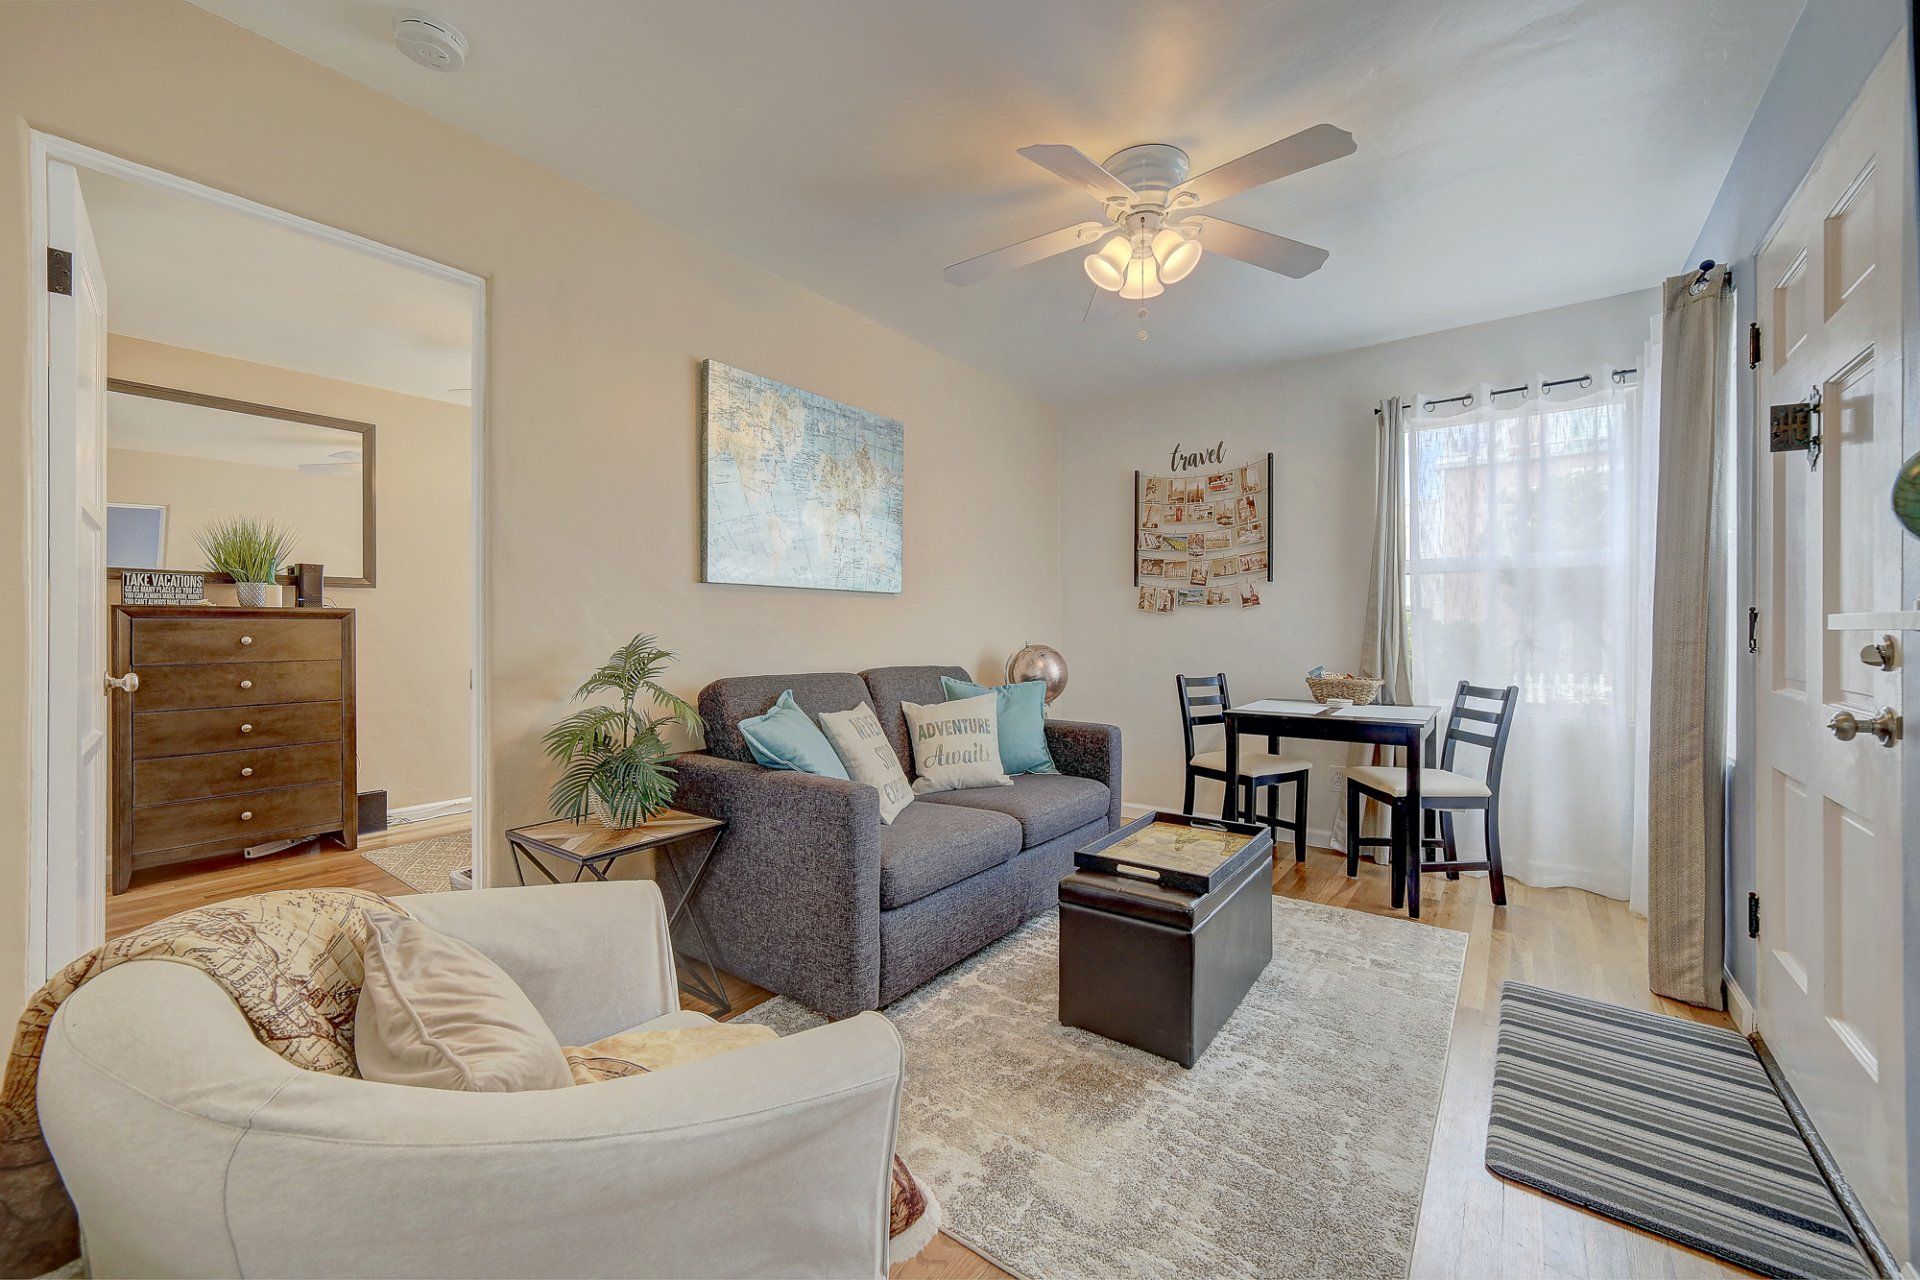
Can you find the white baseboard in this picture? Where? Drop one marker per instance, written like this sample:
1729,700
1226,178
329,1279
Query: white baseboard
427,812
1739,1008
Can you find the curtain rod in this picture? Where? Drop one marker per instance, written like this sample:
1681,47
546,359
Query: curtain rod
1585,380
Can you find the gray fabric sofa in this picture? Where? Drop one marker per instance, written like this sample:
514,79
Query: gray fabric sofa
810,895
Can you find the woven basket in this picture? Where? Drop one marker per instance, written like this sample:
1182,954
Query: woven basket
1359,689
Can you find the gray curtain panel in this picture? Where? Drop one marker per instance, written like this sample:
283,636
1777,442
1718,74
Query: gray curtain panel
1686,789
1389,648
1389,652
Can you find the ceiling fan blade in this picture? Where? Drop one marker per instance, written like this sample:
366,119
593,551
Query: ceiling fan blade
1274,161
1104,306
1078,168
1025,253
1261,248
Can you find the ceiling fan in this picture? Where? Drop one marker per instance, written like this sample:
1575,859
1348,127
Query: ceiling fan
1152,211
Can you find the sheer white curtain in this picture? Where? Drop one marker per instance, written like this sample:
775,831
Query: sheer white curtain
1525,567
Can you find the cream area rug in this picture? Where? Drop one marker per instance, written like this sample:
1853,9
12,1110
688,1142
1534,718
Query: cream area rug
1297,1146
425,865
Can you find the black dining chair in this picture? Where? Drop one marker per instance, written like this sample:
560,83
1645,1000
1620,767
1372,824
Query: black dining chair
1203,701
1442,790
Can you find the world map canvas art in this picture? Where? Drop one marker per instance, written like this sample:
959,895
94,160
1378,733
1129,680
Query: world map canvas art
800,490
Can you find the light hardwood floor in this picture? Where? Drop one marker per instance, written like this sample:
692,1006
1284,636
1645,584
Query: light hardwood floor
157,894
1471,1223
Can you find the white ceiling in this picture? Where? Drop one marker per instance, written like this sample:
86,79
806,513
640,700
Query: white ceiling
1514,154
192,274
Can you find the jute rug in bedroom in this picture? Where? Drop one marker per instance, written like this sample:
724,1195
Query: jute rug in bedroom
1296,1147
425,865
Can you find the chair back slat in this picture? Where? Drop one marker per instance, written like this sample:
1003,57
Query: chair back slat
1500,716
1203,701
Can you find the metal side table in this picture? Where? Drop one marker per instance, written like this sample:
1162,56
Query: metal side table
684,845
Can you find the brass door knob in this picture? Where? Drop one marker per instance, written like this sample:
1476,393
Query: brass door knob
1886,726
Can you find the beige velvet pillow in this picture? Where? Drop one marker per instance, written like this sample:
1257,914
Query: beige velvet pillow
437,1014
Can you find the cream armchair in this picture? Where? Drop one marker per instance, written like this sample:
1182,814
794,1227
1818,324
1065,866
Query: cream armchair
193,1150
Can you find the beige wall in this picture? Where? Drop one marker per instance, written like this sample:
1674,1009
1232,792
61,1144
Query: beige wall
413,629
1316,416
598,319
324,511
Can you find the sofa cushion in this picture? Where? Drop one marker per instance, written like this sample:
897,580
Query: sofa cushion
888,687
928,847
725,703
1044,804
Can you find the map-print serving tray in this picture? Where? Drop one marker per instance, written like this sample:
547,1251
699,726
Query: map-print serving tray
1194,855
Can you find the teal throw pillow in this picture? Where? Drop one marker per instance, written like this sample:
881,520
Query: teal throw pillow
787,738
1023,721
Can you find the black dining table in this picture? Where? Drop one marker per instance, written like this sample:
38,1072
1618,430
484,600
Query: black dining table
1409,727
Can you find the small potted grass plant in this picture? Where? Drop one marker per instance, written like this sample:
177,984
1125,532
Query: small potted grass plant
613,759
249,550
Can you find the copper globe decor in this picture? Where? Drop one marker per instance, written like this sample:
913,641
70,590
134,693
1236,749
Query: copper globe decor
1039,662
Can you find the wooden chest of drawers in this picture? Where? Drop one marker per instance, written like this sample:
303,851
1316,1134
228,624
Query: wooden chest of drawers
241,731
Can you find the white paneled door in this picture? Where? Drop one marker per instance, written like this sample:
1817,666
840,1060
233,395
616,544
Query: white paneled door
77,725
1828,788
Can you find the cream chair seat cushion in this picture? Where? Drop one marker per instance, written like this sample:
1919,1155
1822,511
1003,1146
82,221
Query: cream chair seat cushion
1433,782
1253,764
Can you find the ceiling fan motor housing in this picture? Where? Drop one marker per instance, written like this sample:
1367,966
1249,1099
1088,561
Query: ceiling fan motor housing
1152,169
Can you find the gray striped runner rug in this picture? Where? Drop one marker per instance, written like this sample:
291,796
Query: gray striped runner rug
1663,1123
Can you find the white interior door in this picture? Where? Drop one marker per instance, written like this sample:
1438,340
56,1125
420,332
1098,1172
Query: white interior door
77,726
1830,876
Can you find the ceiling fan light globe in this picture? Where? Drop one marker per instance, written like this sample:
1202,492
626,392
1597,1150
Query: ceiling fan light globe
1108,267
1143,280
1177,255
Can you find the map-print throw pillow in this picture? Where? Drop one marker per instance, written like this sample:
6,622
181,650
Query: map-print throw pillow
862,746
956,745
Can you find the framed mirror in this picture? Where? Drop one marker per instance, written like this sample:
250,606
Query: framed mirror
178,460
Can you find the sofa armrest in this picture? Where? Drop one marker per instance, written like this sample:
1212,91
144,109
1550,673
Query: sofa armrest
792,895
1088,751
594,958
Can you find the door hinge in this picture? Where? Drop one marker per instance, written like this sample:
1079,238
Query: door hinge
60,272
1753,628
1753,345
1753,915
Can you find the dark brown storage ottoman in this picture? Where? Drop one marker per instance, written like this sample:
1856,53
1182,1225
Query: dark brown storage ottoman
1163,930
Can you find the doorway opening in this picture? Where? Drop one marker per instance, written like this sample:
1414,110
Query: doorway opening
217,374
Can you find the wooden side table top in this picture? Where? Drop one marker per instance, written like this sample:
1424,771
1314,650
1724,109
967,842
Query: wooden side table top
589,841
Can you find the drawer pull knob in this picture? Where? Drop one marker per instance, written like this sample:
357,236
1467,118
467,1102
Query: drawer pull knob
246,728
246,684
246,815
246,639
247,772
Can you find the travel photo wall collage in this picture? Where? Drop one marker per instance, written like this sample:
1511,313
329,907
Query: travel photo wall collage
1203,538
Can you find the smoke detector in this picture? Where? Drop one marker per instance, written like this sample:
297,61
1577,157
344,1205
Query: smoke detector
432,42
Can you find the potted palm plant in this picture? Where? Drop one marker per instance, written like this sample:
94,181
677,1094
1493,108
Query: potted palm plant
613,759
249,550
